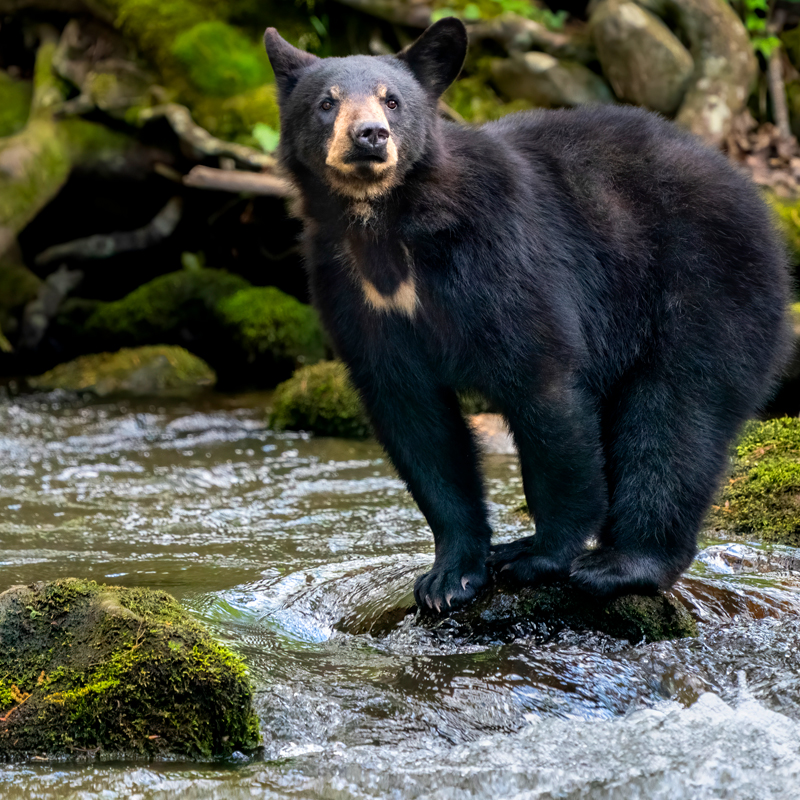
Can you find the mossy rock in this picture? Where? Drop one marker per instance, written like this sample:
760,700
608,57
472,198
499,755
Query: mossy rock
220,60
15,104
557,606
787,219
761,499
320,399
276,332
159,370
18,285
86,667
178,308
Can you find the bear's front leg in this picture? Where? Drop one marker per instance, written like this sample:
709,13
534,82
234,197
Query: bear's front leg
419,422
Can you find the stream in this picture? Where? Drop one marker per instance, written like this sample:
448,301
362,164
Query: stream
297,552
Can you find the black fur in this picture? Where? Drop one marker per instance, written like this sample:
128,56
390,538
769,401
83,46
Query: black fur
613,286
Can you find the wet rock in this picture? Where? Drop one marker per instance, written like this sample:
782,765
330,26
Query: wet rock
644,62
87,668
138,372
549,82
559,606
320,399
274,331
761,498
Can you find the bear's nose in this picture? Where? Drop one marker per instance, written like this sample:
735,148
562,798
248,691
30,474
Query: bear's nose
370,135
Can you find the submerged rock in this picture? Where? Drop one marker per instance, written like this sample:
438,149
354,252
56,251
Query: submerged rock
762,496
557,606
86,667
320,399
140,372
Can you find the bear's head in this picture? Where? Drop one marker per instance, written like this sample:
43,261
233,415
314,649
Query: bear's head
361,123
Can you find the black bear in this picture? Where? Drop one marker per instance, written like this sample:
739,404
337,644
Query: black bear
612,286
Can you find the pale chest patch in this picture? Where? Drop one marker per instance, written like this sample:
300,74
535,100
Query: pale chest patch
384,272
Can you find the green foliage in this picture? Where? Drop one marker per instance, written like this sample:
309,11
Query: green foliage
266,136
220,60
320,399
487,9
756,17
762,496
266,322
87,666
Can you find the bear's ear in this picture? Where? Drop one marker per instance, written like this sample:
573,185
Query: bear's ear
287,61
436,58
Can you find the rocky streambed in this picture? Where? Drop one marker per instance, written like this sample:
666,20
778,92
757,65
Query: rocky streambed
299,553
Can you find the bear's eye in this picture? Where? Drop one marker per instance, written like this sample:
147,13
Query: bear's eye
326,105
391,104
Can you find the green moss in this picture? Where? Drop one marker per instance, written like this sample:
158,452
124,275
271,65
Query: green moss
488,9
233,118
474,99
321,399
762,496
15,104
143,371
18,285
274,330
166,308
123,670
787,219
220,60
47,149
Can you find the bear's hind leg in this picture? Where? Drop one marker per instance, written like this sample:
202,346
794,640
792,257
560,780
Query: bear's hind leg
558,440
665,452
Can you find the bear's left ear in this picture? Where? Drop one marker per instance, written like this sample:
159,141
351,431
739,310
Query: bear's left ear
287,61
436,58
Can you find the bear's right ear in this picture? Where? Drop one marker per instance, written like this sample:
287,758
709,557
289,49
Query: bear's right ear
287,61
436,58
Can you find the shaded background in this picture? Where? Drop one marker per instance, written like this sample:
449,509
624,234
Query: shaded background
137,140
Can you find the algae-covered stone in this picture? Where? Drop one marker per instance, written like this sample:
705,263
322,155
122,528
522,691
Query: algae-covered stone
159,370
87,667
762,496
633,617
174,308
276,332
321,399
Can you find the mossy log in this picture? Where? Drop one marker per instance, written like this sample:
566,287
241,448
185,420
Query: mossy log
87,668
501,613
35,163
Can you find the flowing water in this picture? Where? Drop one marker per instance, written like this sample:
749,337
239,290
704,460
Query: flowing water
297,551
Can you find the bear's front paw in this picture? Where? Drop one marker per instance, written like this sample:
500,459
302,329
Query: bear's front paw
445,589
608,573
